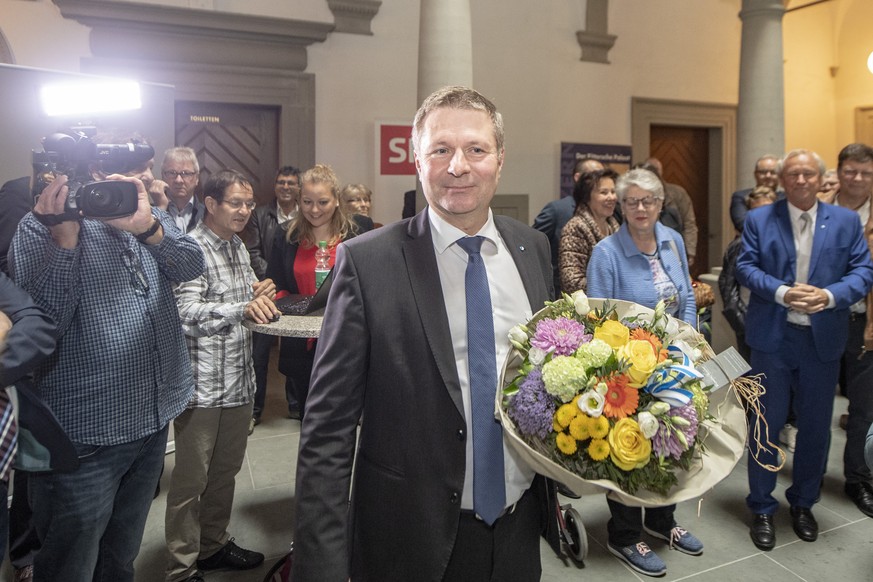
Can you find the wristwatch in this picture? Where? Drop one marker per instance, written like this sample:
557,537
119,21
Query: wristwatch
144,236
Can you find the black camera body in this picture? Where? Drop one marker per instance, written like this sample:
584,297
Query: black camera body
73,156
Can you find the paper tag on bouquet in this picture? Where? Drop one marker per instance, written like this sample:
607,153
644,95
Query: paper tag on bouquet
723,369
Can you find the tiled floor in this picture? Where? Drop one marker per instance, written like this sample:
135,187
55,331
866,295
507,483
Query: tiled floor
263,518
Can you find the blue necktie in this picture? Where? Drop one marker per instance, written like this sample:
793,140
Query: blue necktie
489,495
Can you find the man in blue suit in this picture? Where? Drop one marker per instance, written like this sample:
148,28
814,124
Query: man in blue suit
805,262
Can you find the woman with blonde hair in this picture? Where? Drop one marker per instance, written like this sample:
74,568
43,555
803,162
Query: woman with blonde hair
320,217
357,199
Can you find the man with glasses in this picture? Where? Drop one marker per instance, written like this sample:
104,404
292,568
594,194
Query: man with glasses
805,264
120,373
855,172
211,433
765,175
260,233
181,172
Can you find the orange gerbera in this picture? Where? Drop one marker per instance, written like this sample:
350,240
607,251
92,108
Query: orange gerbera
621,400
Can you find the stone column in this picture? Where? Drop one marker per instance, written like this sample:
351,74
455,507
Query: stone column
761,110
445,52
445,46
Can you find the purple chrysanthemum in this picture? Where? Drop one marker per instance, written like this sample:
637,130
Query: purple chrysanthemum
666,443
561,336
532,408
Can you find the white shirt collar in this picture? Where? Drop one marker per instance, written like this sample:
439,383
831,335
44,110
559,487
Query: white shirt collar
445,235
794,212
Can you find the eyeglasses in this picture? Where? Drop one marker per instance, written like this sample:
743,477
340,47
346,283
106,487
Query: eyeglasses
289,183
134,268
173,174
357,200
647,202
794,176
851,174
765,172
237,204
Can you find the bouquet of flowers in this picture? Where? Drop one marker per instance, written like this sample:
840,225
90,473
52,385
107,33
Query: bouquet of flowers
607,392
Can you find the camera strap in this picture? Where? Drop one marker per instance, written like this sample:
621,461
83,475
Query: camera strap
50,219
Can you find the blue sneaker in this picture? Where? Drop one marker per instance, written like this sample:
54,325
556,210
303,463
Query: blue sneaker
680,539
641,558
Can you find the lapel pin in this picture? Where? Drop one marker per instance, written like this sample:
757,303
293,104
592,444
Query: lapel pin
521,247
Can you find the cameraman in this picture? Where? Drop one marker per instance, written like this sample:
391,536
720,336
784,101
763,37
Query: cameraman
121,372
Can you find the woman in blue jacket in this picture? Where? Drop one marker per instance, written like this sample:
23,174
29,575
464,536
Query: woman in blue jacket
644,262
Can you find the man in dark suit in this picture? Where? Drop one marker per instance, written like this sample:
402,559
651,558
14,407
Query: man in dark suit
554,215
394,353
765,175
805,263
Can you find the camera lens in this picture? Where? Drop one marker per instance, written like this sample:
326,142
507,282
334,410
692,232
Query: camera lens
103,200
107,199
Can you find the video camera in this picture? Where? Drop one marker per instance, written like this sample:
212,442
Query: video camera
73,155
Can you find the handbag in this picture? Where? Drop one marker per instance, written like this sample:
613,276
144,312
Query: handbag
703,295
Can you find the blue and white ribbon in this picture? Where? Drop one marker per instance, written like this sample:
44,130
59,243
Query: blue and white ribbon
666,383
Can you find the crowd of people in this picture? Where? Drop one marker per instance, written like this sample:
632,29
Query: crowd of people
131,323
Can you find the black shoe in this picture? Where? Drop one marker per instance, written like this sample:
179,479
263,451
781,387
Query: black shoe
294,414
805,525
567,492
233,557
862,495
257,419
763,532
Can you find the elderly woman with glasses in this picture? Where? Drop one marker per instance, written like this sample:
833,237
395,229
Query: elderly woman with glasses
644,262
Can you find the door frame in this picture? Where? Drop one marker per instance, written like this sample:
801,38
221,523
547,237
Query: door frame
721,121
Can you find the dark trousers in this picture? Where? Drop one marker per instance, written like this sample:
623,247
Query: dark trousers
625,528
859,390
261,346
297,356
507,551
795,363
23,541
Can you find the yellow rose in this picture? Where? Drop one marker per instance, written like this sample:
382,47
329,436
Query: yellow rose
613,333
642,358
628,448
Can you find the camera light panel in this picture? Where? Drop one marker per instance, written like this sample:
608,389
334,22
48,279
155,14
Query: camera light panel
91,96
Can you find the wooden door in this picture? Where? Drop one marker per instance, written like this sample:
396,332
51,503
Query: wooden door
232,136
684,153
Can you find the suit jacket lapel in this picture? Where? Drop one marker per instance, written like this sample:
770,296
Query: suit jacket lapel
819,236
783,224
525,262
426,288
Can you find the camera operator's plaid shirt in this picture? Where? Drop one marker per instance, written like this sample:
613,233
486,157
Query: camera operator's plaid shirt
121,371
212,307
